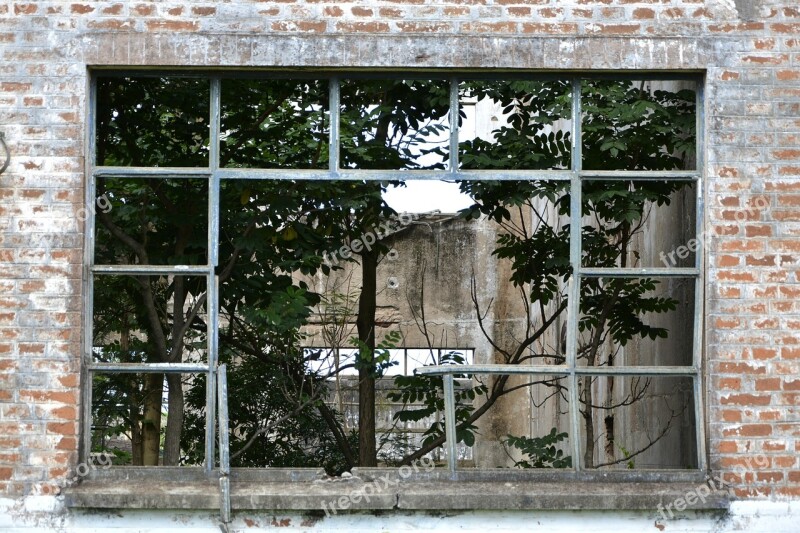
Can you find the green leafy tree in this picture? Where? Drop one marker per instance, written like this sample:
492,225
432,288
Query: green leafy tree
271,230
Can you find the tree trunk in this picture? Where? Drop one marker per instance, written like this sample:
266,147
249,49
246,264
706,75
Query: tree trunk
365,322
172,438
588,416
151,418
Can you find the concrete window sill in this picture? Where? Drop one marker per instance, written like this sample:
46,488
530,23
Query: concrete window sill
387,488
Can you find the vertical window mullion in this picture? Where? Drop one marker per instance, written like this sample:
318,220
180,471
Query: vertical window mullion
454,103
699,296
574,288
213,186
88,278
212,287
333,105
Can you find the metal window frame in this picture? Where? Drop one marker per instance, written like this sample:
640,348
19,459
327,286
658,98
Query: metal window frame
575,176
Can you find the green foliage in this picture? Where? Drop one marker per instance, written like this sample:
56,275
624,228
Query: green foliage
541,452
275,398
422,397
271,229
626,127
379,361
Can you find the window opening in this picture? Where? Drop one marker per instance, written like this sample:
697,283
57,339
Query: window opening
259,222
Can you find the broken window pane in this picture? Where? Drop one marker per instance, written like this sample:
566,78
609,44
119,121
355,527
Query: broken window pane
514,125
638,422
152,122
636,321
274,123
153,221
394,124
638,125
639,224
128,308
133,420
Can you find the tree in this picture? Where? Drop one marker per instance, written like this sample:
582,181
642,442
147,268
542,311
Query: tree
273,229
627,127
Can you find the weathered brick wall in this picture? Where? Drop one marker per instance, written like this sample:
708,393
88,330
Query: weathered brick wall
750,50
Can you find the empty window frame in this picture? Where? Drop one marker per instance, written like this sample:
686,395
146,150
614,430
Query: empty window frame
195,148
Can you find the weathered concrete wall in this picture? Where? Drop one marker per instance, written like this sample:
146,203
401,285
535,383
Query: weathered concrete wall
747,49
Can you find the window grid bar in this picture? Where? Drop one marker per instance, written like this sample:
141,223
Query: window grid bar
640,175
334,96
358,174
88,282
144,368
574,285
212,287
150,270
555,370
699,290
454,128
151,172
213,186
391,175
602,272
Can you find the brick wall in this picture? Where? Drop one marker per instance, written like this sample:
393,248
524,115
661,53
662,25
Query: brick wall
750,50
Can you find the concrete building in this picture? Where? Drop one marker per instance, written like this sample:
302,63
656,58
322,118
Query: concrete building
744,53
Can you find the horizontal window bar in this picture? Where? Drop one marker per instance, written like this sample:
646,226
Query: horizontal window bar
636,371
167,368
151,172
143,270
345,174
640,175
639,272
394,175
435,370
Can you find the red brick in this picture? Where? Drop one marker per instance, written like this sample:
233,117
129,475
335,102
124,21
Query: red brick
115,9
81,9
790,353
746,399
61,428
729,415
768,384
205,11
25,9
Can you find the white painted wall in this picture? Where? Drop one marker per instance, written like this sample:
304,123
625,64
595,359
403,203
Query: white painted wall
47,514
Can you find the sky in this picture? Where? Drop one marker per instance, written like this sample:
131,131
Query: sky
423,196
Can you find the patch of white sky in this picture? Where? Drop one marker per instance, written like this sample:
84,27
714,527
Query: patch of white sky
425,196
